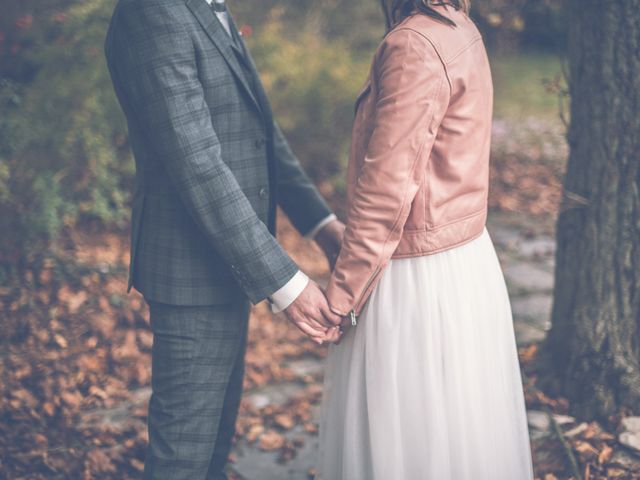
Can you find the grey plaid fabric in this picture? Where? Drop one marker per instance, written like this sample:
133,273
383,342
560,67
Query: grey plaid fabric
211,162
197,372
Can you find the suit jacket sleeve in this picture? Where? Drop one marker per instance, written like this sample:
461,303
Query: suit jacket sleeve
412,98
297,195
154,62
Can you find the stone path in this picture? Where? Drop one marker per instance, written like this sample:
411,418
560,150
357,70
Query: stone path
527,260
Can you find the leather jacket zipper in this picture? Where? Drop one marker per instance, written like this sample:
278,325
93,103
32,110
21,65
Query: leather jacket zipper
352,314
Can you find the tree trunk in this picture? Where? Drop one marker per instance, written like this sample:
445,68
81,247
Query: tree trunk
594,344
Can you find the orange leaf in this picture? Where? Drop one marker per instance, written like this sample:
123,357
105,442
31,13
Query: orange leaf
605,454
271,440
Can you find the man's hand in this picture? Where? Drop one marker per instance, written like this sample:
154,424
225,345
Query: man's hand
310,312
330,240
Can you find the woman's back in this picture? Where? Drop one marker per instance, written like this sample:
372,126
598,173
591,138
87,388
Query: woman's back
459,165
418,173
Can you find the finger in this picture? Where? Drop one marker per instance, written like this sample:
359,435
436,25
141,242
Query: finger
332,318
334,335
310,331
319,322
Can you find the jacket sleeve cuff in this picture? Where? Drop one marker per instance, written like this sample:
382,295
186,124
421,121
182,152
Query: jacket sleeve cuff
285,296
320,225
340,301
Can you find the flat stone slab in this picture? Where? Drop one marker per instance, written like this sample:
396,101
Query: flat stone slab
527,334
537,247
252,463
527,277
534,309
274,394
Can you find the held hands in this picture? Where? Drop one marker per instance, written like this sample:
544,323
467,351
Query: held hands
310,312
330,241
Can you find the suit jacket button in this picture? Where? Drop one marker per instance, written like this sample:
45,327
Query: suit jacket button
263,193
259,143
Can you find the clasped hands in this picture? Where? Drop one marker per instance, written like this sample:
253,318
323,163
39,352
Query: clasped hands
310,312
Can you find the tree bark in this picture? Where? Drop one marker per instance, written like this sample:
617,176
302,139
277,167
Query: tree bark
594,344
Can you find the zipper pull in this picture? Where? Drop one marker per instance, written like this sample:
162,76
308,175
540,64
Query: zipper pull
354,319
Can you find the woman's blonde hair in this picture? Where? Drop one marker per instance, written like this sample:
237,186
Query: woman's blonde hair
396,10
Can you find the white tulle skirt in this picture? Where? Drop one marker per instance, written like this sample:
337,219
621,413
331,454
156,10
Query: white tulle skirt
428,385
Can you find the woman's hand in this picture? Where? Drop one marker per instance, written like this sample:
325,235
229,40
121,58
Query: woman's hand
335,335
330,240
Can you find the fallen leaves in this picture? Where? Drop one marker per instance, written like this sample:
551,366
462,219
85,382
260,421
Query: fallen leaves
271,440
597,451
284,421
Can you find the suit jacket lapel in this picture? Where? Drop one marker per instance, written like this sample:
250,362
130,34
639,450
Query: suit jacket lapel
223,42
245,57
238,44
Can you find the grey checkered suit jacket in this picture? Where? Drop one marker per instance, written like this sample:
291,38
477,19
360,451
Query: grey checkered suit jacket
211,162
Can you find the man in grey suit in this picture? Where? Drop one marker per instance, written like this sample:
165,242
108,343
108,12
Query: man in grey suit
211,167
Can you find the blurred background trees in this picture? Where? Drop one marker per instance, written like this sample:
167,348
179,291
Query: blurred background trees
64,157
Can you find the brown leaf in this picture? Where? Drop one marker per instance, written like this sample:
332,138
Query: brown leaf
284,421
99,462
25,397
73,300
49,408
254,432
60,341
129,349
271,440
72,398
145,338
137,464
585,448
311,428
605,454
98,392
616,473
40,440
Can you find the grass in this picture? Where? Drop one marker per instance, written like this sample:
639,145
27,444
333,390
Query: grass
519,84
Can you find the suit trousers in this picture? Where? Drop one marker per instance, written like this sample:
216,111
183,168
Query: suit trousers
197,372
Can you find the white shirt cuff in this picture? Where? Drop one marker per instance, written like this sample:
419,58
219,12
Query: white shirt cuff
289,292
320,225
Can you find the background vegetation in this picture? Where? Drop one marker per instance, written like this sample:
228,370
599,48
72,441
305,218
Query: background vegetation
64,157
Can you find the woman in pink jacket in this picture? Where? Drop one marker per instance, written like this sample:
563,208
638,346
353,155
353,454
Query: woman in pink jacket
426,383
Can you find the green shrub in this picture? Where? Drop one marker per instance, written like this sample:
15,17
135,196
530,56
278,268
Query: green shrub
312,84
63,158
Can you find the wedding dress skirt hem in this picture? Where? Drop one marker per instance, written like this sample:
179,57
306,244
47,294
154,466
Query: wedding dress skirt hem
428,385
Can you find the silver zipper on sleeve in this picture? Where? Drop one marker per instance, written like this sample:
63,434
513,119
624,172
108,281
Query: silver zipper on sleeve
352,313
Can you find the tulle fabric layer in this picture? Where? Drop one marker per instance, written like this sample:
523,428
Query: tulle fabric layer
428,385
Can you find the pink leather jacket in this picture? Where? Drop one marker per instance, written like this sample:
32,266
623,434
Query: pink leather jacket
418,170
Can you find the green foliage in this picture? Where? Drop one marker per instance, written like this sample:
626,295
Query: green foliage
519,85
63,157
312,94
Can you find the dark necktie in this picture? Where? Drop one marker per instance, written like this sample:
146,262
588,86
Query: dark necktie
219,6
